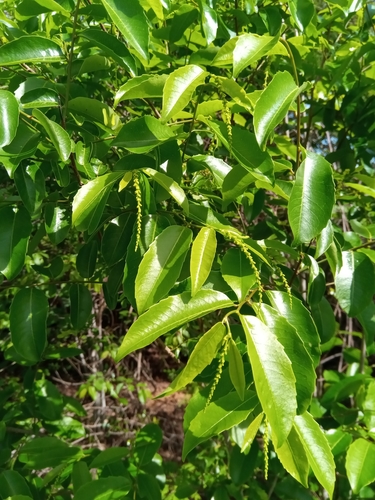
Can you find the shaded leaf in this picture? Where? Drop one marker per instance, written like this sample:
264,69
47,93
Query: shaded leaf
236,369
59,137
237,272
80,305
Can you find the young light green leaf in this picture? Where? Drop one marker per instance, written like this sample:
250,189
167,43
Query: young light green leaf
251,432
273,376
130,19
143,134
250,48
28,316
15,229
312,198
80,305
202,355
202,256
141,87
220,415
237,272
296,351
369,191
161,266
293,457
30,49
59,137
9,117
300,318
90,200
168,314
236,369
317,450
354,282
273,105
359,464
170,186
179,89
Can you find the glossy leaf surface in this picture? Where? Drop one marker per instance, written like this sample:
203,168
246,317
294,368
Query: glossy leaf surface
237,272
9,112
15,229
248,49
312,198
168,314
202,255
30,49
161,266
273,376
59,137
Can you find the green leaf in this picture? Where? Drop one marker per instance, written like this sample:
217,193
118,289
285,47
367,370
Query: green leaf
112,47
109,488
367,320
12,483
324,240
299,317
235,183
168,314
312,198
209,21
143,134
108,457
130,19
57,222
317,283
141,87
90,200
324,319
40,98
219,416
30,49
15,229
273,376
161,266
183,18
41,453
59,137
362,189
9,116
245,150
148,486
250,48
354,282
170,186
80,305
203,354
302,12
86,259
293,457
273,105
147,443
28,317
237,272
236,369
30,184
80,475
296,351
179,89
317,450
251,432
202,256
95,111
116,238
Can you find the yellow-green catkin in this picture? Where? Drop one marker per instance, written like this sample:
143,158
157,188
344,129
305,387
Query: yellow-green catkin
227,118
220,367
266,441
138,197
286,285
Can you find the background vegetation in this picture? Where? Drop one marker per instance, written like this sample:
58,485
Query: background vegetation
187,209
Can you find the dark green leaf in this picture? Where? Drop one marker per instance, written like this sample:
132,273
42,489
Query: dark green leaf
238,273
59,137
116,238
41,453
57,222
109,488
182,19
30,184
236,369
28,316
324,319
86,259
80,475
80,305
40,98
15,229
12,483
147,443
